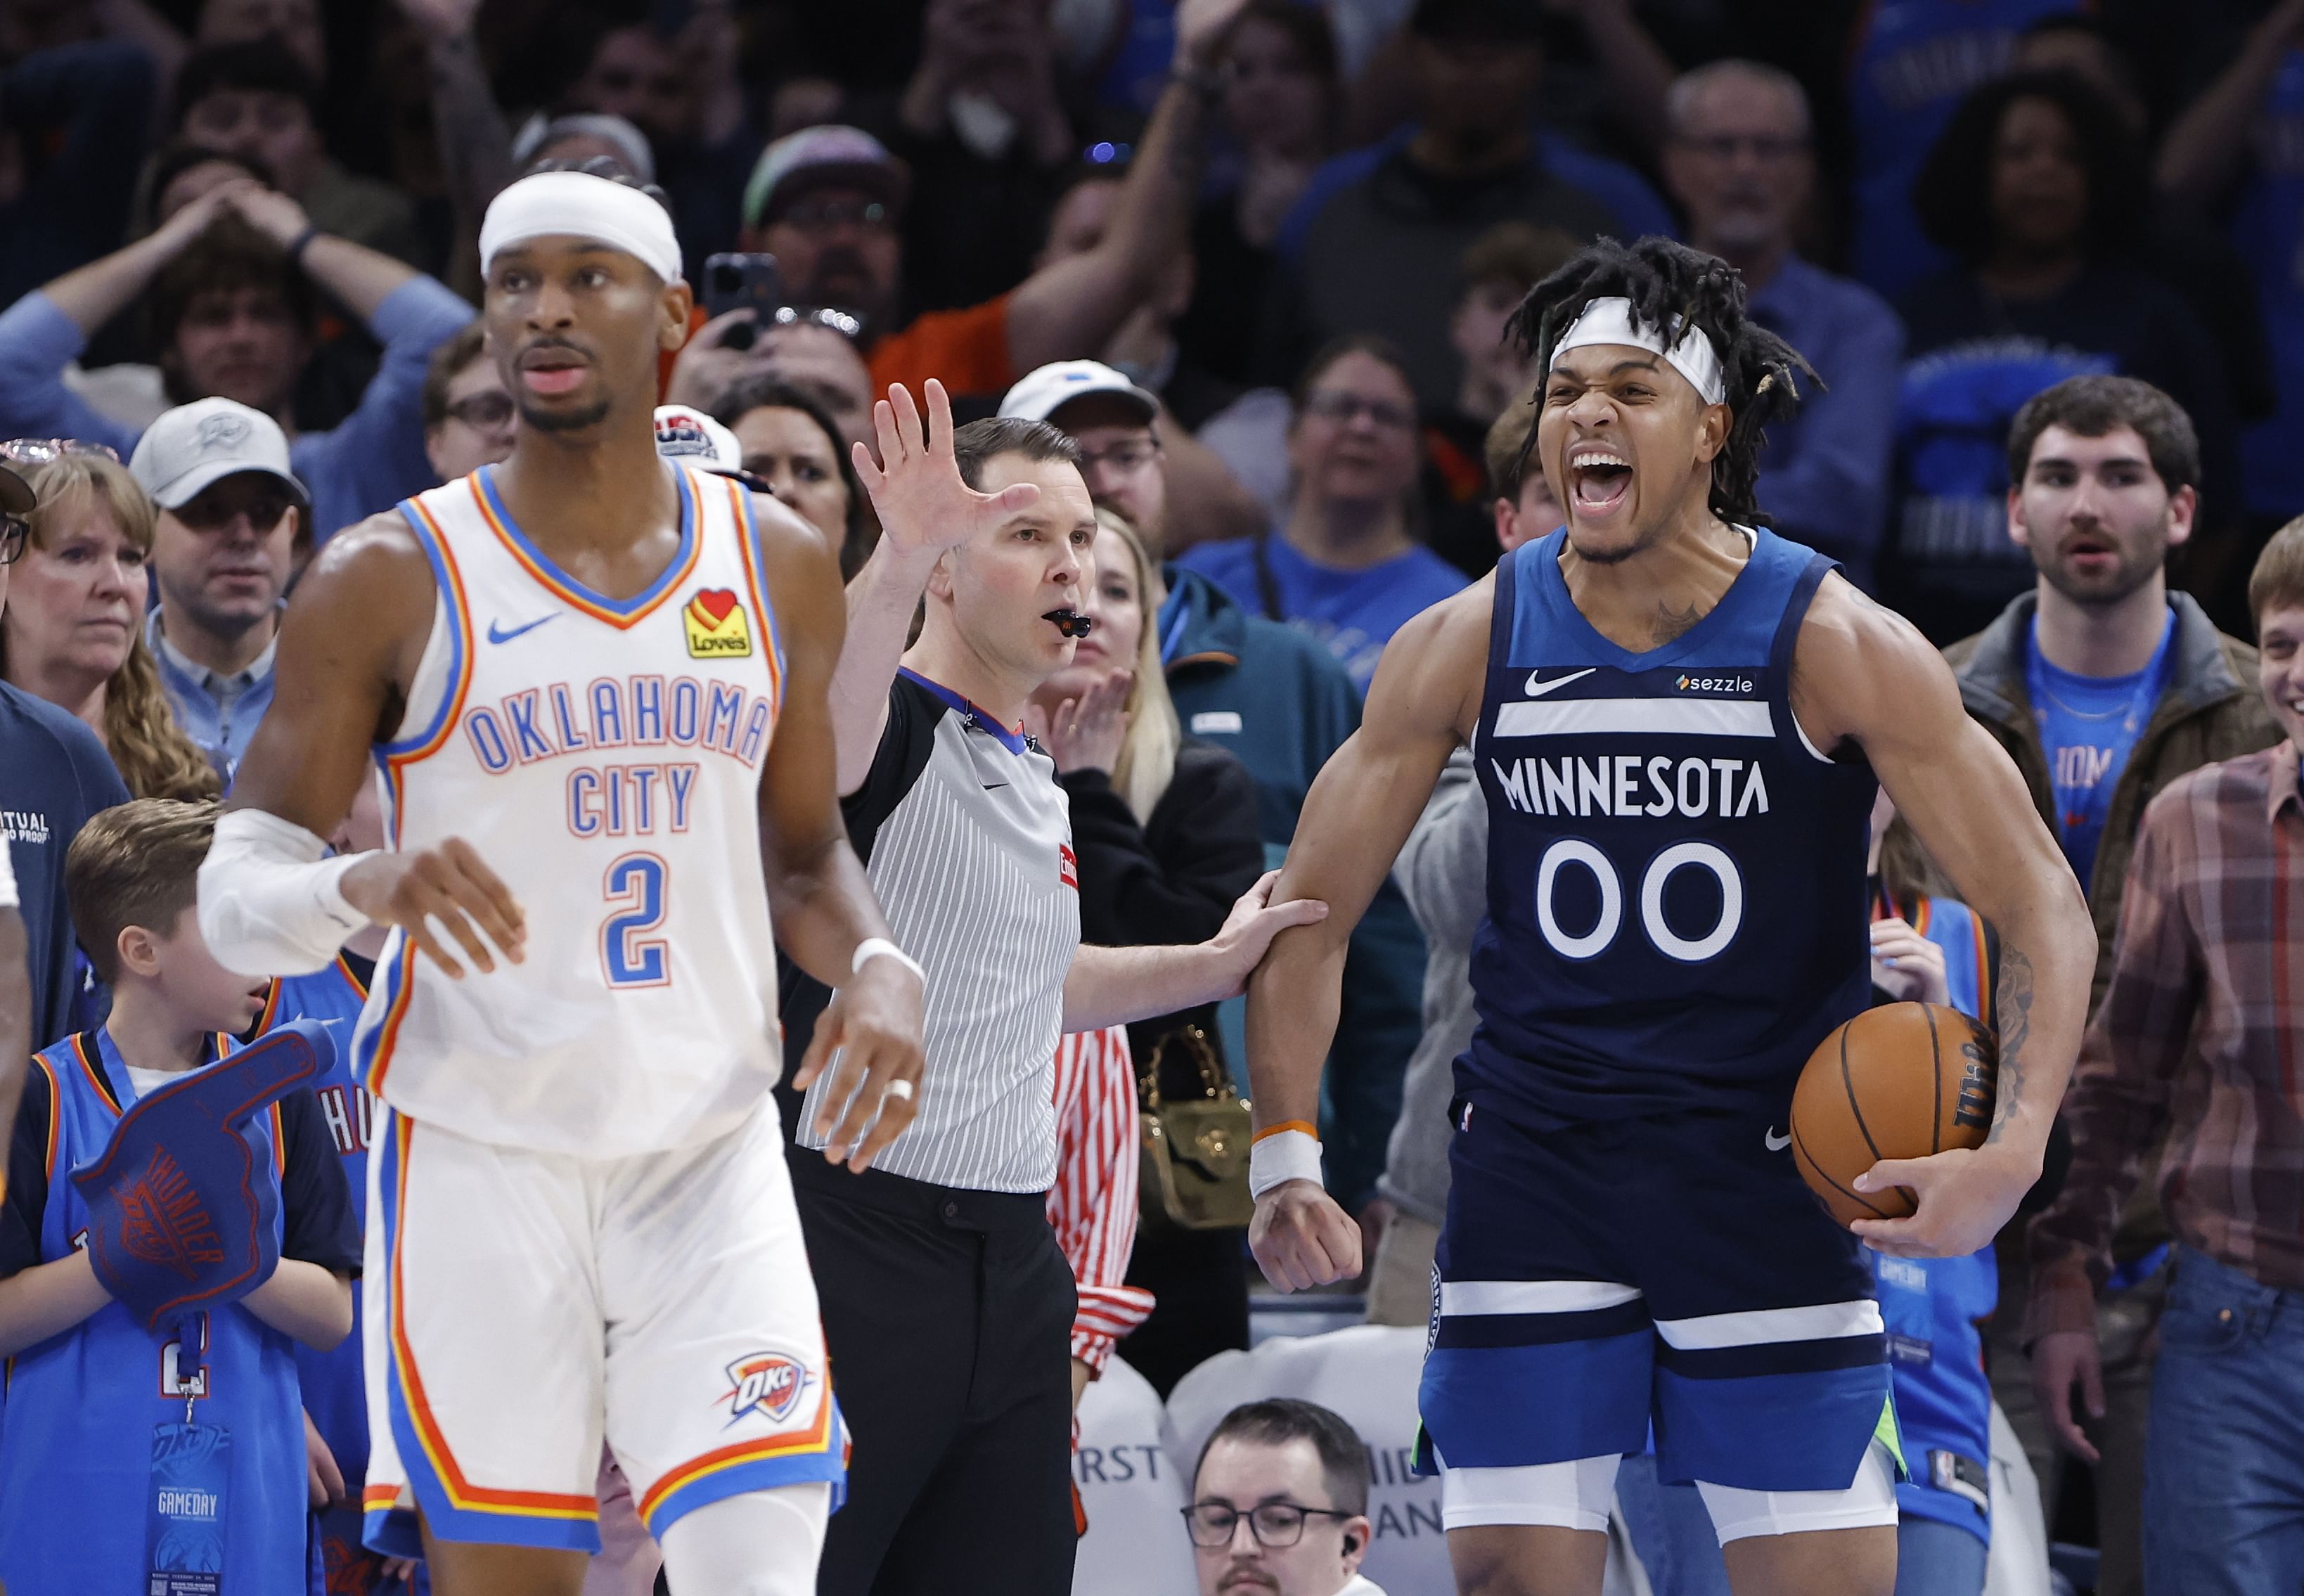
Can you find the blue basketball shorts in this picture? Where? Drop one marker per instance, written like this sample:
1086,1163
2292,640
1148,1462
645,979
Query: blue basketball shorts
1669,1274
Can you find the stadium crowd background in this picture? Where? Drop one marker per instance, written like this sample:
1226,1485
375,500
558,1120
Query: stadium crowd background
1301,224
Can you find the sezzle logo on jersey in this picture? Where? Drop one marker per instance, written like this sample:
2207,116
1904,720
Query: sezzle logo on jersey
768,1383
716,626
1714,684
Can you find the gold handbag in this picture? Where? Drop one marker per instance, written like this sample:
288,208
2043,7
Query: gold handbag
1194,1169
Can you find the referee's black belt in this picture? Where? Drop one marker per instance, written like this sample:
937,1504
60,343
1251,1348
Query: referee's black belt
957,1207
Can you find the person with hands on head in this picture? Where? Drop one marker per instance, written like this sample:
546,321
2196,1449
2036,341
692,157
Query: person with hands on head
601,1076
234,321
946,1301
1676,718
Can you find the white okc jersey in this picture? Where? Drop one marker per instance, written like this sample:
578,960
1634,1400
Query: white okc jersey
603,758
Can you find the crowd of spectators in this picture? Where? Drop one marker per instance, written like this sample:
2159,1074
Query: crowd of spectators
1255,258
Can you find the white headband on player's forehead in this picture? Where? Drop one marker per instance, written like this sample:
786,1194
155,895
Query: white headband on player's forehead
579,205
1609,321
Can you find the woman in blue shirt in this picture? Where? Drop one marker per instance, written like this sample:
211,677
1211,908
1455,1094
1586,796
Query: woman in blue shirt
1348,565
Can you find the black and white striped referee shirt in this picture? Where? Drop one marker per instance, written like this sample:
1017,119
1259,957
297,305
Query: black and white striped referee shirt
966,840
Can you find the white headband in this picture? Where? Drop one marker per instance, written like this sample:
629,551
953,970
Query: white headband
579,205
1609,321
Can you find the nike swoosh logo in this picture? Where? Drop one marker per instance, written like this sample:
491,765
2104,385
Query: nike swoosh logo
1776,1143
497,634
1537,689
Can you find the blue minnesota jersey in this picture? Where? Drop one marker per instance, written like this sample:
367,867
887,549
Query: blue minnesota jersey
334,1393
76,1443
1676,886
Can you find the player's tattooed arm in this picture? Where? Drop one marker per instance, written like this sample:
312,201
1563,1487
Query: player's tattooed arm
1864,675
1423,704
2013,1011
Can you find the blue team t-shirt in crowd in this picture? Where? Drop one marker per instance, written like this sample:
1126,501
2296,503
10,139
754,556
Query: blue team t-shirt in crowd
1354,613
2088,727
54,775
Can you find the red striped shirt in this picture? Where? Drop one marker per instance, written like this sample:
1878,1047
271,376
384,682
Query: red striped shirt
1092,1206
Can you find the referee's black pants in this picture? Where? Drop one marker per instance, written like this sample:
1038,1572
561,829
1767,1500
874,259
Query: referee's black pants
947,1315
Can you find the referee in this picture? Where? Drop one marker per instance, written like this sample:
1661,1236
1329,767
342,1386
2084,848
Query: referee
947,1304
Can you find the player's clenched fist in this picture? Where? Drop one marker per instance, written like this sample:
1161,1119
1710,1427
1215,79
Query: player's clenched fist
873,1024
448,888
1301,1238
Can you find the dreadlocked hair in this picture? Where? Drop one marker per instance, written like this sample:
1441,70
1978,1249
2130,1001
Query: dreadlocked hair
1672,287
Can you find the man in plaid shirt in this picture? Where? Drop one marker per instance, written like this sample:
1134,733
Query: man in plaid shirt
2201,1033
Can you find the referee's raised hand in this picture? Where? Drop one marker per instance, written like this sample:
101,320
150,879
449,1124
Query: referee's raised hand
915,486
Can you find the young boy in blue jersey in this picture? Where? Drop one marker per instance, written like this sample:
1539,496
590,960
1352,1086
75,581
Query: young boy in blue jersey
89,1386
1678,720
334,1398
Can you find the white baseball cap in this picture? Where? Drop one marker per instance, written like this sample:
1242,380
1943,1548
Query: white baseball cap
1040,393
683,433
196,445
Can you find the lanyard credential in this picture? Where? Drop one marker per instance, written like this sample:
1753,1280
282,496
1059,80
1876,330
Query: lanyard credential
185,1525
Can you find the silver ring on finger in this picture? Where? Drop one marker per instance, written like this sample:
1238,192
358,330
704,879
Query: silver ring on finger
902,1091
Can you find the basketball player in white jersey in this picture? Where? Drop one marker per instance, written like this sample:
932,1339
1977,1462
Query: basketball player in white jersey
594,682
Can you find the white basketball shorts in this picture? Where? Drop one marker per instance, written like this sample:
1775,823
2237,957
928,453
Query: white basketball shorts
521,1306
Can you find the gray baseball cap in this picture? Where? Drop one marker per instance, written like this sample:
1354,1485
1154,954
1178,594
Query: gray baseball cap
196,445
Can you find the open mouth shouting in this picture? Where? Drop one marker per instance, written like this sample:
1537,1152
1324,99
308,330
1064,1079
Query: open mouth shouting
1598,479
1071,623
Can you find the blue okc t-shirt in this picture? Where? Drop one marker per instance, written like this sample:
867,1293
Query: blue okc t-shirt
2088,727
1354,613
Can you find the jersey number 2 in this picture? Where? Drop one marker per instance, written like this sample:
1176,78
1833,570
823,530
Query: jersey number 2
635,888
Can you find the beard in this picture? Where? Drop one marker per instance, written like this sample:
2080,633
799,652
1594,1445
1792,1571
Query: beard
2104,592
565,420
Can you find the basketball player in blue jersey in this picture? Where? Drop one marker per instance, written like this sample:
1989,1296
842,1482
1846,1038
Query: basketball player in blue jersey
1677,718
595,684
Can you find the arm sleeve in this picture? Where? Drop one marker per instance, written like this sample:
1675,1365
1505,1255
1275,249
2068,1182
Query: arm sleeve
1207,854
1834,491
2117,1104
374,457
1092,1206
37,342
26,1200
316,1199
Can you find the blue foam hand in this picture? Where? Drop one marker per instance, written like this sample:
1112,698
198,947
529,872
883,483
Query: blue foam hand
183,1210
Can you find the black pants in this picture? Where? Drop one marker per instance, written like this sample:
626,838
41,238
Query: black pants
948,1318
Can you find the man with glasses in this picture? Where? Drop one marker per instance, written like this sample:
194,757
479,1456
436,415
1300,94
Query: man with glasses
1280,1504
232,529
468,419
54,775
1737,158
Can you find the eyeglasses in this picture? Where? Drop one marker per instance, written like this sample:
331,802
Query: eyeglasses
1765,146
1127,457
1272,1523
1333,406
483,412
41,451
822,215
210,511
824,316
16,536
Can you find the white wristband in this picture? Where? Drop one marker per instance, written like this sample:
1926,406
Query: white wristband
7,877
880,947
1279,1156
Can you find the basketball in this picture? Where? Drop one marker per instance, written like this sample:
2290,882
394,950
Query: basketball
1902,1081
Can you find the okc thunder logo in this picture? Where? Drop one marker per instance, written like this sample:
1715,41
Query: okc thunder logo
768,1383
